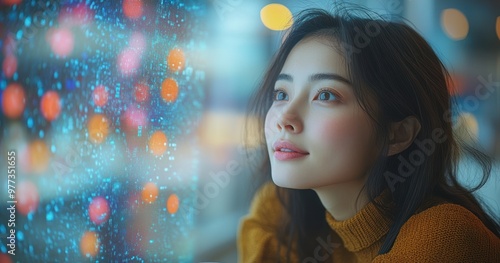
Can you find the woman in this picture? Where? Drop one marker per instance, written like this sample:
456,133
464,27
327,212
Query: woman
359,143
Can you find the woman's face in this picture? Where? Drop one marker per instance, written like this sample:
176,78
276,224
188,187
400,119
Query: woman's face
317,134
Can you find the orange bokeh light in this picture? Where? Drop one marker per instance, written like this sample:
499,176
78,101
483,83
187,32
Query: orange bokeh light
50,105
39,156
169,90
13,100
454,23
498,27
173,204
98,128
89,244
176,60
149,192
158,143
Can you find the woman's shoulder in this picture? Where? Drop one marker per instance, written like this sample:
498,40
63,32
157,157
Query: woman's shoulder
445,216
257,235
445,233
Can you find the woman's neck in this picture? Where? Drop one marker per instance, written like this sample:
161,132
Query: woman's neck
343,200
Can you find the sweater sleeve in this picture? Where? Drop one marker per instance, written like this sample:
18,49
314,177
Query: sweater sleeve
257,240
444,233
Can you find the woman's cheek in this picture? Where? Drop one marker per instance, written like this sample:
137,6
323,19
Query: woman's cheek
335,131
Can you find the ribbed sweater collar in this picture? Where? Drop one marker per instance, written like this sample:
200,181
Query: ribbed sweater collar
362,230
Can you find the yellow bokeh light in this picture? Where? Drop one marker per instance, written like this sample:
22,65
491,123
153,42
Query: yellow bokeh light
454,24
276,17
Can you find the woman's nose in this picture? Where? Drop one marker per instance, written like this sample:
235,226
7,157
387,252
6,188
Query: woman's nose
289,122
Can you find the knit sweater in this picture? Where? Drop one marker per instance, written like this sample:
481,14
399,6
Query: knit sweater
440,233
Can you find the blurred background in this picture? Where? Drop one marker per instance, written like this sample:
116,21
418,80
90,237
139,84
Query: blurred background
126,118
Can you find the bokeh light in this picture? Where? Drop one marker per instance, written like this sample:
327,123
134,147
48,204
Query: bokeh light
11,2
99,210
173,204
39,156
137,42
5,258
13,100
27,197
9,66
132,8
141,92
77,15
176,60
129,61
149,192
100,95
98,128
498,27
454,24
135,117
169,90
158,143
456,84
89,244
50,105
61,41
276,17
9,46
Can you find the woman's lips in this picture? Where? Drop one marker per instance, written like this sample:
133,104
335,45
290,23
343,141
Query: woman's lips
284,156
284,150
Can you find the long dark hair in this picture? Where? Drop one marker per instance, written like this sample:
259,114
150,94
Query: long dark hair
395,74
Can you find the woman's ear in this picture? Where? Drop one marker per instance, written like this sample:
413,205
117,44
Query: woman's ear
402,134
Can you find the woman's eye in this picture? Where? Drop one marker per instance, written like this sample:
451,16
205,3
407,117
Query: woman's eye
279,95
326,95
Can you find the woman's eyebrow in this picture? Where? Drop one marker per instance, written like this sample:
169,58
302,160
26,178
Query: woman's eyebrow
328,76
315,77
286,77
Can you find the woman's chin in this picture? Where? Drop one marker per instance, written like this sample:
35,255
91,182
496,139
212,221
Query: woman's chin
292,181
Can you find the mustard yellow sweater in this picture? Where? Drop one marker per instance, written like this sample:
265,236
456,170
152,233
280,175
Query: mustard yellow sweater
442,233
